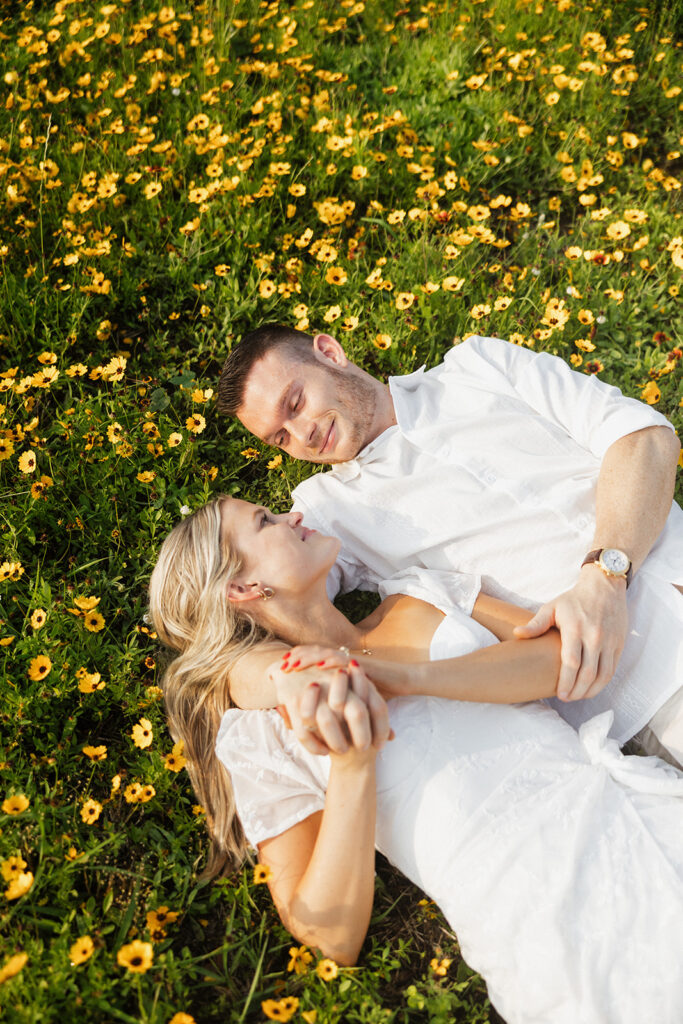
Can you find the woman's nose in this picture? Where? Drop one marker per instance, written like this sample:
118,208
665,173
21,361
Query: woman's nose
294,518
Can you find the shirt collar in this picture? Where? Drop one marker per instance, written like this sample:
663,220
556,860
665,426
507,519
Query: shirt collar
403,396
401,389
344,471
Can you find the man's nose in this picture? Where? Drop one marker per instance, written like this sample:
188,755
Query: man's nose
303,431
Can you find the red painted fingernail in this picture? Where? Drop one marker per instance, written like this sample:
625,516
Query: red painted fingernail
296,663
353,663
316,685
319,663
286,655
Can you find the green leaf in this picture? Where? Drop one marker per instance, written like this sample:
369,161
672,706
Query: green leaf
159,400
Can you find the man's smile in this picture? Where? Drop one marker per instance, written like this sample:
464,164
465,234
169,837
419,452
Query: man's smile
329,438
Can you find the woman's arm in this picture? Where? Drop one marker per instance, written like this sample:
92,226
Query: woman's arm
506,673
323,875
250,686
323,869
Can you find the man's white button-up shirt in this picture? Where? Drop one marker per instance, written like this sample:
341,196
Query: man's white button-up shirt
489,480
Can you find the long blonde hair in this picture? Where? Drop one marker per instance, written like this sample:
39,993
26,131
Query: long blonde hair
192,615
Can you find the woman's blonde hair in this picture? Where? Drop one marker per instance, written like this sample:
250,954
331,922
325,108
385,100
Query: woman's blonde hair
191,613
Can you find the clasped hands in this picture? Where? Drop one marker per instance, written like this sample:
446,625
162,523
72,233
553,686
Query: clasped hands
328,701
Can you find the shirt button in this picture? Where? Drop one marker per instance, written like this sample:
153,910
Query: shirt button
445,451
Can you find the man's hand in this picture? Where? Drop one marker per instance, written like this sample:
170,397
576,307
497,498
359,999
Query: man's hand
592,619
336,700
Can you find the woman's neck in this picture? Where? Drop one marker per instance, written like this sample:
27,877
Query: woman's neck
400,627
316,622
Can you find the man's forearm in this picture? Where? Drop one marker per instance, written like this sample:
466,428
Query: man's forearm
635,490
506,673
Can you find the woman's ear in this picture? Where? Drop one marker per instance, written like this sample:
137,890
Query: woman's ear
239,592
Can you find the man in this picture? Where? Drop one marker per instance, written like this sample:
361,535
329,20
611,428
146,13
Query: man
500,468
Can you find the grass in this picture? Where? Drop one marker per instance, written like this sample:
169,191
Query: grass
402,176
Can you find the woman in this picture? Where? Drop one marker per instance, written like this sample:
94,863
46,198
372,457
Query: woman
557,860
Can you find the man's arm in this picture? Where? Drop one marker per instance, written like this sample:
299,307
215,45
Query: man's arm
634,493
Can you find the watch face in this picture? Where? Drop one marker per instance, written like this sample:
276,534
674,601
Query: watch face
614,560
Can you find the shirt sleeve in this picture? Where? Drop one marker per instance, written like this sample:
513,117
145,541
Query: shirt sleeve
445,590
273,782
594,413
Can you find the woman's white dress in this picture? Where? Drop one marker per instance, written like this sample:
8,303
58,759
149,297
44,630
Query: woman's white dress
557,860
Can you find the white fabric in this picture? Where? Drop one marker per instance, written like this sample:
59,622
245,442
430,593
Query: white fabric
663,735
556,859
490,477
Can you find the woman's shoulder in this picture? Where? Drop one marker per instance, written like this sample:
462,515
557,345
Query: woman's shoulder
402,626
412,629
243,731
257,740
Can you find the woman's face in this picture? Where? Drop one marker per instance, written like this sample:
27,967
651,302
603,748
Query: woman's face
277,551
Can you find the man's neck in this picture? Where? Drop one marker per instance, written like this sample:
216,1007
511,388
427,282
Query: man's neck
385,413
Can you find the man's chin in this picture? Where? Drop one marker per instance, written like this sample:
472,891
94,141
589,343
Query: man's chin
340,454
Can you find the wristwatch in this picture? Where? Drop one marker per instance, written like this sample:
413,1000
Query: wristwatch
612,561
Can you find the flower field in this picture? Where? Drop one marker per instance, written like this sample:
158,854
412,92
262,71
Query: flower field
401,175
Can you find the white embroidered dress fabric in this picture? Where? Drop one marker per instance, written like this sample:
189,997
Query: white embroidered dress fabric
556,859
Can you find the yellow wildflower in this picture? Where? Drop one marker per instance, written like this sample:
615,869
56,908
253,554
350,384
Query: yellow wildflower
39,667
136,956
38,618
27,462
299,959
327,969
195,423
650,393
90,811
12,966
176,760
19,885
95,753
15,804
93,622
81,950
142,734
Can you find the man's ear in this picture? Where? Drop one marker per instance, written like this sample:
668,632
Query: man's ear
239,592
327,347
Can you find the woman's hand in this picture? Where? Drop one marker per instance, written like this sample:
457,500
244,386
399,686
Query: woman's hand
330,709
392,679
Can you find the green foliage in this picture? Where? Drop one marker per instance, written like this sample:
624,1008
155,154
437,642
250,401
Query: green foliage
172,176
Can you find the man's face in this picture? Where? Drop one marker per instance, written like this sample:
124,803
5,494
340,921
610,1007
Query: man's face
317,411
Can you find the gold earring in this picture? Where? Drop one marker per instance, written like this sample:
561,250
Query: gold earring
266,593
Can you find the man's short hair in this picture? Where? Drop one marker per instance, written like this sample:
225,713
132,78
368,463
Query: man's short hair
251,348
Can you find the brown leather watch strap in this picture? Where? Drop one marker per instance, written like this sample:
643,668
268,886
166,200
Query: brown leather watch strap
593,556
